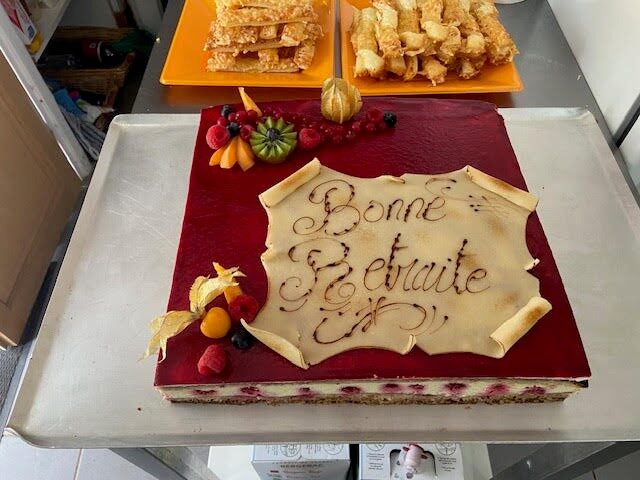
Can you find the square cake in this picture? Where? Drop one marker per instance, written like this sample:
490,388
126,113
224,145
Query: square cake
406,267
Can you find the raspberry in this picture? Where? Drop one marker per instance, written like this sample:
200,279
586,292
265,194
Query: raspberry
374,115
308,139
222,121
325,127
217,136
351,136
241,117
370,127
232,117
245,132
213,360
252,116
356,126
244,306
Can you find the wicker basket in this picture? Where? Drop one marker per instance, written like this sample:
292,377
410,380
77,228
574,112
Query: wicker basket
104,81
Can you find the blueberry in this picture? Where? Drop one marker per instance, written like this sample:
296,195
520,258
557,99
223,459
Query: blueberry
226,110
390,119
234,129
242,339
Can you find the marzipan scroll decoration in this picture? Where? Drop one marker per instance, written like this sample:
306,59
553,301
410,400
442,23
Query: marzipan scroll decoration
434,261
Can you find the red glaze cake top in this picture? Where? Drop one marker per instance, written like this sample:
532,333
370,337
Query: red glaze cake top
225,222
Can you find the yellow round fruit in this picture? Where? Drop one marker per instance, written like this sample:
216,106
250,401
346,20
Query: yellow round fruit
216,323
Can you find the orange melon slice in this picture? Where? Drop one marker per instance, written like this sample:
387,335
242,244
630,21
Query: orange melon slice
230,154
245,156
217,156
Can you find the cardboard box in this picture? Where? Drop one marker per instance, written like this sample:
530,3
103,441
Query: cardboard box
315,461
385,461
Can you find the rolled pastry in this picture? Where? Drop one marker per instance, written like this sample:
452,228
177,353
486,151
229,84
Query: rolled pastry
452,14
387,30
363,30
412,68
408,17
396,66
499,44
433,69
369,64
449,48
431,19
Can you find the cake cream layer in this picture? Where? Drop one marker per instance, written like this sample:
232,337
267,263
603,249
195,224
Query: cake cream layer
454,390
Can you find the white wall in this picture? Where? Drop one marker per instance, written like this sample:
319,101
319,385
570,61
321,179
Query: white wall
604,35
631,152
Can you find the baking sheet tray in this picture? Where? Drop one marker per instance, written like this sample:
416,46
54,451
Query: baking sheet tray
84,386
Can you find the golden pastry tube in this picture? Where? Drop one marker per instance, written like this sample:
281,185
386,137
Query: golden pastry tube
470,67
450,47
431,19
365,45
499,44
467,70
395,65
452,14
387,30
412,68
363,30
408,17
369,64
413,43
473,46
433,69
409,27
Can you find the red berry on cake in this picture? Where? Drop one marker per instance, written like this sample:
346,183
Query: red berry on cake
241,117
217,136
375,115
370,127
232,117
252,116
244,307
213,361
309,139
356,127
246,131
223,121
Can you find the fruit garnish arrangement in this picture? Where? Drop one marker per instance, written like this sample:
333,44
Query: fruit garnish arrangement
242,136
216,323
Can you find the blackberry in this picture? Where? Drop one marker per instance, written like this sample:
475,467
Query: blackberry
390,119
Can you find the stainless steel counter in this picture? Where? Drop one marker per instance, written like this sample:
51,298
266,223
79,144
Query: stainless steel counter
551,75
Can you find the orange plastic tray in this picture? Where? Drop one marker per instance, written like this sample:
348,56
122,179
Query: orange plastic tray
503,78
186,61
